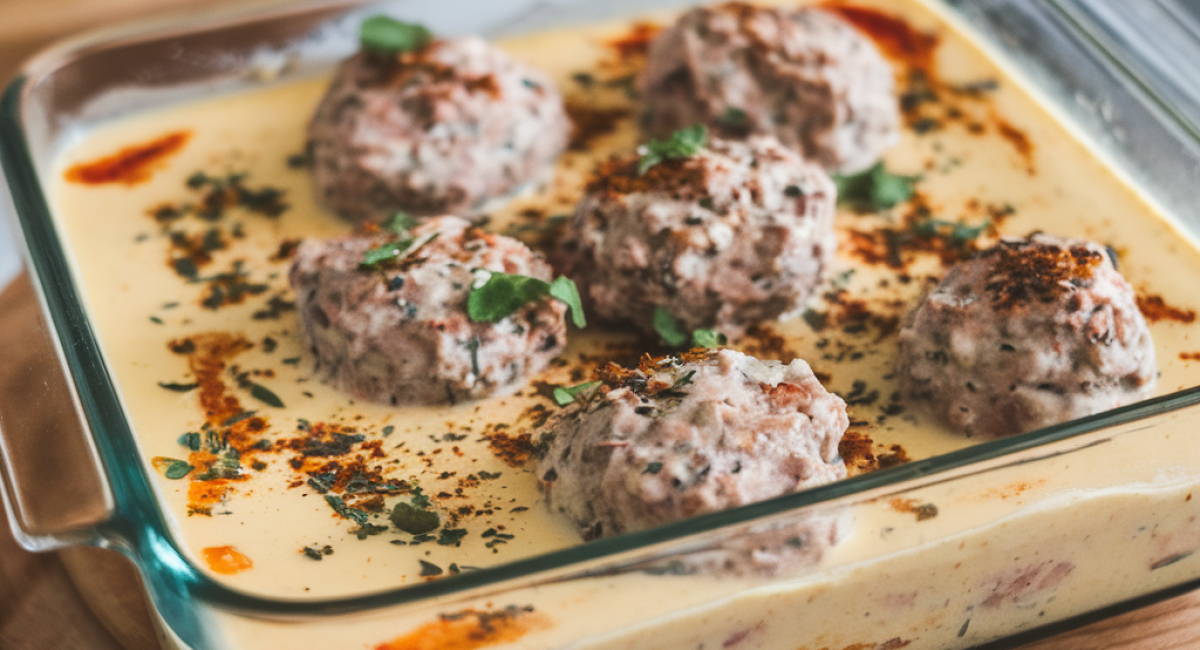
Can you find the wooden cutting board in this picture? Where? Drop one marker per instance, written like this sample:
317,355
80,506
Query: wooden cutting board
91,599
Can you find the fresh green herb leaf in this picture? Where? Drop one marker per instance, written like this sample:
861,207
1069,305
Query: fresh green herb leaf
734,118
263,394
874,189
451,536
367,530
386,35
178,388
400,223
564,395
682,144
429,569
234,419
503,294
704,338
414,520
191,440
955,233
385,252
653,468
177,469
564,289
419,499
668,328
685,380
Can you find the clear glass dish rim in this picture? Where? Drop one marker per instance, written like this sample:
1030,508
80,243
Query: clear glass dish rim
138,527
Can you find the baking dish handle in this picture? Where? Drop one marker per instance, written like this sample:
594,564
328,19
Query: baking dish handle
54,487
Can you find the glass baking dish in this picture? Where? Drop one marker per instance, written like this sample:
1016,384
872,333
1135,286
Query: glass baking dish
1055,545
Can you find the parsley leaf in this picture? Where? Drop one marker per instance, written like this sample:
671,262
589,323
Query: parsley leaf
668,328
564,395
502,294
176,469
682,144
263,394
395,251
400,223
955,233
386,35
874,189
704,338
564,289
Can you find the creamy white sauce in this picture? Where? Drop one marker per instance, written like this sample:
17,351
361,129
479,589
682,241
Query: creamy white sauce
890,574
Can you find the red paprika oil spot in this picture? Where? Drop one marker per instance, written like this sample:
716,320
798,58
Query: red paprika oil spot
898,40
130,165
468,630
226,560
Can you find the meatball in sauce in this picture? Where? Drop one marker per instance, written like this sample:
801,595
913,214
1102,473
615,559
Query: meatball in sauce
803,75
398,332
1029,333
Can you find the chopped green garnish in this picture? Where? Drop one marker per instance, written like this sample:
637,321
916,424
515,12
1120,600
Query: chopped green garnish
178,388
386,35
429,569
502,294
414,520
564,395
177,469
263,394
955,233
668,328
400,223
564,289
874,189
451,536
703,338
734,118
653,468
395,251
682,144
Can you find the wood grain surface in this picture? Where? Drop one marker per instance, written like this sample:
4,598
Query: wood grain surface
91,599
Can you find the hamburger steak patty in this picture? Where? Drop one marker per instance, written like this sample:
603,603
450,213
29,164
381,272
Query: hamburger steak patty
1029,333
802,75
397,332
683,436
737,234
439,130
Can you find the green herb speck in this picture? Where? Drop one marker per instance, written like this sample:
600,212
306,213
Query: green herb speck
682,144
386,35
564,395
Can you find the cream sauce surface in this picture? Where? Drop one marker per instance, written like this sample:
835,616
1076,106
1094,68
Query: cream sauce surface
1007,160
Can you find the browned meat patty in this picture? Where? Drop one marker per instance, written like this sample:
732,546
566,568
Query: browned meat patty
1031,332
802,75
397,332
440,130
683,436
737,234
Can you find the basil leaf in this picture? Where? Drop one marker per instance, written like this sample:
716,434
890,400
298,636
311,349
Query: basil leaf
668,328
682,144
386,35
564,289
955,233
874,189
564,395
704,338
